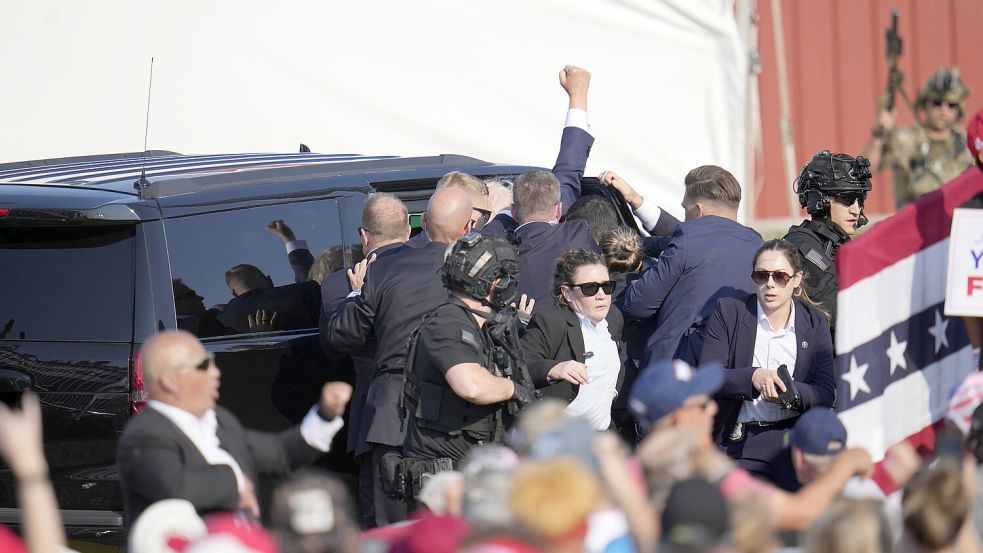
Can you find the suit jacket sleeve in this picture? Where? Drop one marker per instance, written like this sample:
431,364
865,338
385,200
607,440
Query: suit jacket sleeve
352,323
155,469
645,295
539,345
819,387
301,261
718,344
278,454
575,145
665,226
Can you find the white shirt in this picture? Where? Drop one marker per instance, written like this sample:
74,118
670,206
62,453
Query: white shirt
203,433
772,348
593,401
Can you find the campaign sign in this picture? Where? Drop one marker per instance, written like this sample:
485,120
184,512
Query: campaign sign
964,287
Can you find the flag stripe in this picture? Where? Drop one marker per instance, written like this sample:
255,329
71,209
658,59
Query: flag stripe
889,297
915,227
921,350
907,406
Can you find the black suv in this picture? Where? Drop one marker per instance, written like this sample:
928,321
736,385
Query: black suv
98,253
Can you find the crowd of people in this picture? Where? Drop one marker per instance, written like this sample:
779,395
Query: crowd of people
535,374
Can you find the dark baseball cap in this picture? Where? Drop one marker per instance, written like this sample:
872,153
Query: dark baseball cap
695,516
818,432
663,386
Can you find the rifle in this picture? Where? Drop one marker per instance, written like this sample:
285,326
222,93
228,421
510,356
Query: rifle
503,333
895,78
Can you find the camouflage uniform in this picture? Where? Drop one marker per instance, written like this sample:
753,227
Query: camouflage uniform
922,165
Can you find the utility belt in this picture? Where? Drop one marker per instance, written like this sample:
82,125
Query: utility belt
403,477
740,429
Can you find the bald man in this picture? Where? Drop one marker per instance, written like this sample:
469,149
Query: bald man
476,189
398,292
184,446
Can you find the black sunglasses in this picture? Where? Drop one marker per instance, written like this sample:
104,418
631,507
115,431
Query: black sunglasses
938,104
761,277
848,198
206,362
591,288
484,215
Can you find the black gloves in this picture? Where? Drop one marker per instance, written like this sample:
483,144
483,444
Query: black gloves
522,395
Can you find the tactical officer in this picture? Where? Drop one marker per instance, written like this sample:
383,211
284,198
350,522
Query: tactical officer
833,189
462,381
931,153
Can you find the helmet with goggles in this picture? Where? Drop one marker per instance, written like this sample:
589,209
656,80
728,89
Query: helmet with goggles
838,177
483,267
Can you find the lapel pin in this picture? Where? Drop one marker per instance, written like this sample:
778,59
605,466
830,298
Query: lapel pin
805,344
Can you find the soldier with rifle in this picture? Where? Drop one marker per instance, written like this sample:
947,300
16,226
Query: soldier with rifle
930,153
464,379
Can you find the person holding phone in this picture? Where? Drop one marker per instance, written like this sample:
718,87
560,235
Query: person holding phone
574,348
776,328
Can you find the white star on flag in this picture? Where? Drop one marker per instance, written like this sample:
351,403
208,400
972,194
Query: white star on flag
938,331
895,354
856,378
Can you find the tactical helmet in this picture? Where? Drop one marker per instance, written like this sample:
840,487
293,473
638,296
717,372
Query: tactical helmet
943,86
475,262
831,174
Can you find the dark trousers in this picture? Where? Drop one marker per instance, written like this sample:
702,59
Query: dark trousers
762,453
375,507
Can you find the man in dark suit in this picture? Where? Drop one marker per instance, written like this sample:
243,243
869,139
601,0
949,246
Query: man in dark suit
260,306
384,229
184,446
542,238
399,290
476,189
708,257
575,144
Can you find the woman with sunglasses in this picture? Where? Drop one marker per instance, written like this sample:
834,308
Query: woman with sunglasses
777,326
574,348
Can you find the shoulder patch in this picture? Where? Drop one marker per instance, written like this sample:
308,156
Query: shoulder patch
817,259
469,338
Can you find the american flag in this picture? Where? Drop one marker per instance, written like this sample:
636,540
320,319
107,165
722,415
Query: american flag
898,356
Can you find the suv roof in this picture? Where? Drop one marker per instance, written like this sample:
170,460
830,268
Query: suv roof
169,174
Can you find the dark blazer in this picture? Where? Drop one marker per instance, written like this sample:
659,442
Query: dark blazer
157,461
707,259
575,145
554,336
399,290
334,289
500,226
539,247
301,262
296,305
729,338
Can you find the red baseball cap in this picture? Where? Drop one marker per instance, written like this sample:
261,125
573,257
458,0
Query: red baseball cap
974,136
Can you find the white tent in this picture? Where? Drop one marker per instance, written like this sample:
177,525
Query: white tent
668,93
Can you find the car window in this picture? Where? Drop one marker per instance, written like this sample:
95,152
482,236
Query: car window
66,283
233,274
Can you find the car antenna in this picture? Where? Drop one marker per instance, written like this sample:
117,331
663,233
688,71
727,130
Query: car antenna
142,183
304,149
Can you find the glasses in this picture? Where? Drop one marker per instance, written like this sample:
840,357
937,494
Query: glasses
591,288
483,215
205,363
760,277
849,198
940,103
